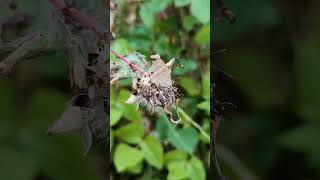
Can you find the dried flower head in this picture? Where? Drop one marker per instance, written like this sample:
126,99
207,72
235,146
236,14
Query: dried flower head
153,88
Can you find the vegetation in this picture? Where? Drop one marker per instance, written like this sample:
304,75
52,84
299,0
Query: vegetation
145,145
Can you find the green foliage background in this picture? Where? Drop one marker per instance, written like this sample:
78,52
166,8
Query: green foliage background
145,146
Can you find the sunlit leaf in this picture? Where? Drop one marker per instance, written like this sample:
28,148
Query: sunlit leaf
200,9
152,151
126,157
130,133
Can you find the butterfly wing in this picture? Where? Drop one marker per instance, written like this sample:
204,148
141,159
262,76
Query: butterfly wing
160,74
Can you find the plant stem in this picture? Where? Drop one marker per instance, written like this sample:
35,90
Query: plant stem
129,63
195,124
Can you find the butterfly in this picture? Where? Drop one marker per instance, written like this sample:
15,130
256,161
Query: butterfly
160,74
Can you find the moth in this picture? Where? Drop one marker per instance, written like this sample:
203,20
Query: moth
154,88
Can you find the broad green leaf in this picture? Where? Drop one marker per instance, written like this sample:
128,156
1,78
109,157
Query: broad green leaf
178,170
175,155
180,3
205,105
184,139
188,23
203,35
162,127
196,169
130,133
126,157
152,151
200,9
190,85
115,116
146,14
136,169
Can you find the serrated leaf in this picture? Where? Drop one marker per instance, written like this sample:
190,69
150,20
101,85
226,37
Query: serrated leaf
130,133
126,157
152,151
200,9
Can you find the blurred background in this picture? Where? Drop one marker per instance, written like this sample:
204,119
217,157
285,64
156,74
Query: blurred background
272,54
145,146
32,98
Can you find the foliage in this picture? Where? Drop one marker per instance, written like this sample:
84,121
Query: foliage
147,146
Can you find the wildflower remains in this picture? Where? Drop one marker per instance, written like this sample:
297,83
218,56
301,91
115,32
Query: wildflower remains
152,86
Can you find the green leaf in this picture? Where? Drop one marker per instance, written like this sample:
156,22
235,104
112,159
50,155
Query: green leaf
175,155
130,133
162,128
206,85
149,9
184,139
205,105
190,85
136,169
177,170
129,111
153,151
200,9
126,157
115,116
196,169
188,23
146,13
180,3
203,35
121,46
